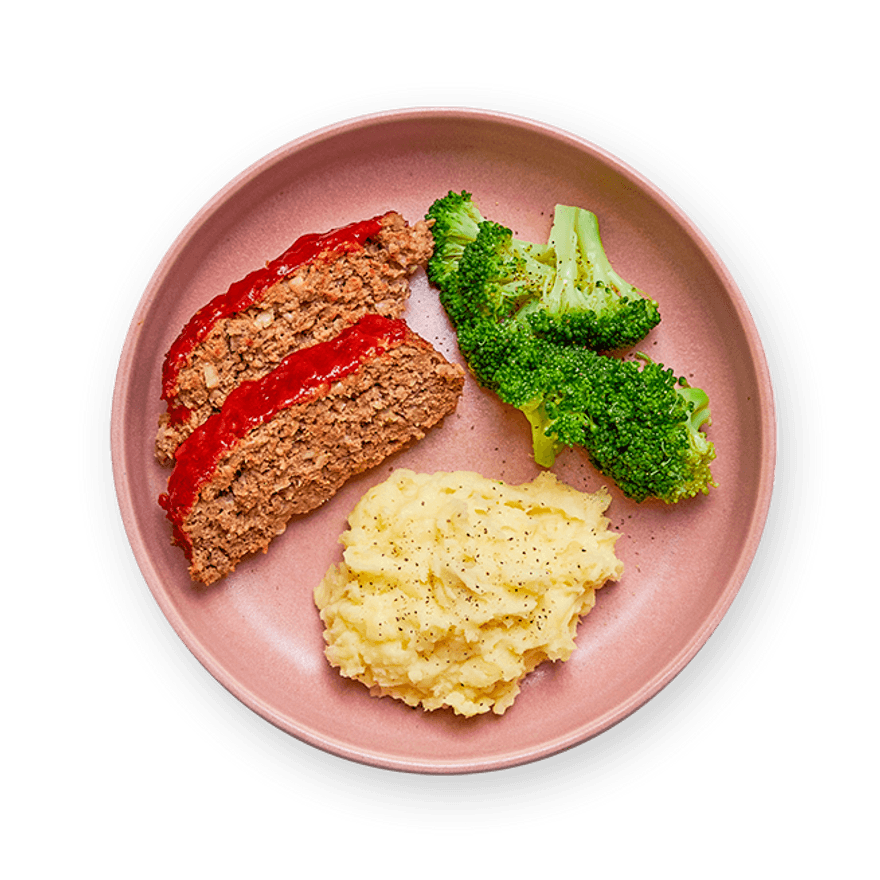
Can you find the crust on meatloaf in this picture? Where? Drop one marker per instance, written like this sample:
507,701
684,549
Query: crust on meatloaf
306,450
309,303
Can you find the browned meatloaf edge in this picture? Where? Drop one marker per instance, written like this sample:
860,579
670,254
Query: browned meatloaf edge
396,388
350,271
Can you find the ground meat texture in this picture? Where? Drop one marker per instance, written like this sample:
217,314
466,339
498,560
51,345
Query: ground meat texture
310,305
298,460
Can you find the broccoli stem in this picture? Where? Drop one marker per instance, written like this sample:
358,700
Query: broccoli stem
564,239
700,400
544,446
586,225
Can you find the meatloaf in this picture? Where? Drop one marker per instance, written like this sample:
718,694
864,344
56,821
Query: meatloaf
285,443
320,284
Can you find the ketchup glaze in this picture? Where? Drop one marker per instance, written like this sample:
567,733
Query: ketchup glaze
250,289
301,376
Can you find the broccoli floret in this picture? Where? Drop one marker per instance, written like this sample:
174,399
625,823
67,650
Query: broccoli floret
589,303
567,290
507,359
499,274
455,222
644,429
639,424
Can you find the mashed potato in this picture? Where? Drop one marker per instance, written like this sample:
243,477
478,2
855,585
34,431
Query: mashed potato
453,587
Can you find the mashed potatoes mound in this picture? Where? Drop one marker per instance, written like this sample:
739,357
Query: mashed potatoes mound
453,586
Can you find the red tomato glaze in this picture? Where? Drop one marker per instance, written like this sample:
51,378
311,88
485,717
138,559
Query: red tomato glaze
249,290
301,376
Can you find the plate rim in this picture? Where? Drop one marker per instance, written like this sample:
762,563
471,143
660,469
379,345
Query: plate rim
339,746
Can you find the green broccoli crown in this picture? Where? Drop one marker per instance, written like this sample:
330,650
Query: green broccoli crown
498,274
589,303
617,327
639,424
455,222
566,290
644,431
490,349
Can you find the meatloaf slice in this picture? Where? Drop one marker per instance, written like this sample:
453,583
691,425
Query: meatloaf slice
319,285
285,443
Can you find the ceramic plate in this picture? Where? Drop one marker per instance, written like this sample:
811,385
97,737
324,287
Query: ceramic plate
258,632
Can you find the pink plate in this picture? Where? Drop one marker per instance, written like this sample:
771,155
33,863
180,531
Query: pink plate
258,632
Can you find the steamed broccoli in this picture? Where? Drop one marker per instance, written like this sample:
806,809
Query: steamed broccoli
639,424
566,290
500,276
589,303
455,221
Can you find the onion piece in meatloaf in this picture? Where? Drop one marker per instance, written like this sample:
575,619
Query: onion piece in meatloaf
320,284
285,443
